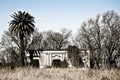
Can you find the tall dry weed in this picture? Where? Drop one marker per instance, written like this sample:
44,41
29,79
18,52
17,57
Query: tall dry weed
59,74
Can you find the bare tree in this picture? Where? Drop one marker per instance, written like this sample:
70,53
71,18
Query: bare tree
9,49
58,40
101,36
50,40
36,41
111,21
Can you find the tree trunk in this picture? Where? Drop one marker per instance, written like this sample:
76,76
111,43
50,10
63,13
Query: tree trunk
22,51
31,52
22,61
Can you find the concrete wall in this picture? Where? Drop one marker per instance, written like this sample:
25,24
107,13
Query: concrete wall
46,57
49,56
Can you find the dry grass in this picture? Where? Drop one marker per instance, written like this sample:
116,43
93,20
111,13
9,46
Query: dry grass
58,74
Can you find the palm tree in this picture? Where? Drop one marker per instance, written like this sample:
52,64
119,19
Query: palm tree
21,26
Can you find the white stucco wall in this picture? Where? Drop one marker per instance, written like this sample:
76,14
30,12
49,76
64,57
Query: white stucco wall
49,56
46,57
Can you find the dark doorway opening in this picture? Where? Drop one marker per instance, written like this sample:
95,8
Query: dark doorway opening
35,63
56,63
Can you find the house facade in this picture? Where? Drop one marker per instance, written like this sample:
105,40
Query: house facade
46,58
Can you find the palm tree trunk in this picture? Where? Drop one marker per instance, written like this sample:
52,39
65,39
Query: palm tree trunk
22,51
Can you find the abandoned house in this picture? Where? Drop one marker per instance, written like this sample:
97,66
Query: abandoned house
46,58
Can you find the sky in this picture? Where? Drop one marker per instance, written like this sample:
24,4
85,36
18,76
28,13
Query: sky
56,14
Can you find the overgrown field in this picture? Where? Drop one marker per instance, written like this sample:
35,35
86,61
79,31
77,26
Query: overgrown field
59,74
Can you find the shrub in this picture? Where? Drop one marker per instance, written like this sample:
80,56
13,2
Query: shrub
64,63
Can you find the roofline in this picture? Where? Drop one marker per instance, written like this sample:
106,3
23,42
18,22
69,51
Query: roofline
54,51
